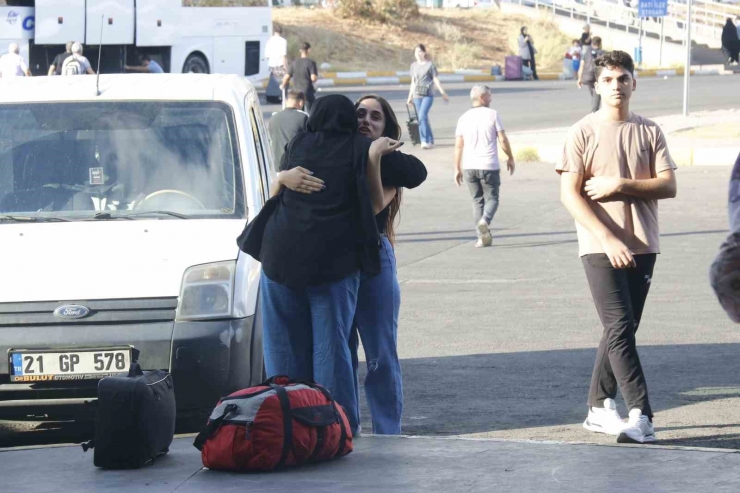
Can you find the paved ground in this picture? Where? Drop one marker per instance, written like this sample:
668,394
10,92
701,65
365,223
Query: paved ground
400,465
499,342
540,105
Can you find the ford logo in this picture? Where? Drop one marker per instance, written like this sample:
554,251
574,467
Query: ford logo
71,312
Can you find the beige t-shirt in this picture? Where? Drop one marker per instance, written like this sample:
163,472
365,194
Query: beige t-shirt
635,149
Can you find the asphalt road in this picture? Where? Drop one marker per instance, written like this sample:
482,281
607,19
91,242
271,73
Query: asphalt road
500,341
548,104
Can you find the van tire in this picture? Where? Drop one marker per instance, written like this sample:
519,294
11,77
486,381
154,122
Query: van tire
196,64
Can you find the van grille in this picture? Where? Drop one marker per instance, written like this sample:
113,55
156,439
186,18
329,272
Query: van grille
101,312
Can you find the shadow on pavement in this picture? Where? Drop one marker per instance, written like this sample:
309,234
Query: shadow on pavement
494,392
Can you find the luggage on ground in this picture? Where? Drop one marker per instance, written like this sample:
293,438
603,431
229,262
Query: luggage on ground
413,125
275,424
273,93
513,68
135,418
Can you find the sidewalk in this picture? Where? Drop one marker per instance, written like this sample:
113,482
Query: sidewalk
399,464
702,138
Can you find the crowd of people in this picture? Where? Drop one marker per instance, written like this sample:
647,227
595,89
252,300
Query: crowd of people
327,234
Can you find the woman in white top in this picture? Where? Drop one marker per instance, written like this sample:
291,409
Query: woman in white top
527,51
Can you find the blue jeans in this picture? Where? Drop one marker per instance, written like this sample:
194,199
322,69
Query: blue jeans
306,336
376,320
423,105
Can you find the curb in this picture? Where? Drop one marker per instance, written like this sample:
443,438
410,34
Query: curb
335,79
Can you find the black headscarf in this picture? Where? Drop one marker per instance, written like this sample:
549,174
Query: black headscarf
333,114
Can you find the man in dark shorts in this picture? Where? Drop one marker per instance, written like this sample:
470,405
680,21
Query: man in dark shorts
304,73
286,124
615,168
56,66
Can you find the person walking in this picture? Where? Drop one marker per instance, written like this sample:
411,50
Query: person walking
587,71
424,76
730,41
615,168
316,246
379,296
476,159
12,63
304,74
527,51
724,274
56,66
77,64
286,124
276,53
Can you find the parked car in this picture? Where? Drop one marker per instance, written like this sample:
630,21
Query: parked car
118,218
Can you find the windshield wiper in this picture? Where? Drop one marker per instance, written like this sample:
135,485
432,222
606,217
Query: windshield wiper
128,215
33,219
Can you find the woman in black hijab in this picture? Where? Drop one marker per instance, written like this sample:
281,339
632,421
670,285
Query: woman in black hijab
730,41
315,247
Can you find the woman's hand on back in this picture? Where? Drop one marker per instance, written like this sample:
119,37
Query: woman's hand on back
382,146
300,180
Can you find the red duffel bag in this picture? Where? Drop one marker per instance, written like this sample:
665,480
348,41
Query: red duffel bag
275,424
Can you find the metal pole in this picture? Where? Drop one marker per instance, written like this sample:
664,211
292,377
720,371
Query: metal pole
687,69
639,48
662,37
588,11
571,8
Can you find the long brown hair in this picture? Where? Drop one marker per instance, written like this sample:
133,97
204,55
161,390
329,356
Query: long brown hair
393,131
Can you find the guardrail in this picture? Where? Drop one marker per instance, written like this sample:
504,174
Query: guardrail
708,18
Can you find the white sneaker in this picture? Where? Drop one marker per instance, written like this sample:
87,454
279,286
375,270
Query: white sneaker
639,429
427,145
605,420
484,234
481,243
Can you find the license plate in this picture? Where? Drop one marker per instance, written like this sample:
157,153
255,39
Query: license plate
56,365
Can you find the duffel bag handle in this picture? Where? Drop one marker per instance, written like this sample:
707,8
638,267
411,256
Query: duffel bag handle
212,426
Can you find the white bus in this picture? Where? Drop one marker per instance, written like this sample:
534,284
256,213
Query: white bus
203,36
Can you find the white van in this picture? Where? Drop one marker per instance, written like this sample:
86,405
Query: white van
119,213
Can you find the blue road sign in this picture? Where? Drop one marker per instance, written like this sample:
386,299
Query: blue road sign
652,8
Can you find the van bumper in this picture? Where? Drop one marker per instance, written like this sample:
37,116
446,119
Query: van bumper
207,359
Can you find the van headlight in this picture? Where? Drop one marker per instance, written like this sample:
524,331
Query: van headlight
207,291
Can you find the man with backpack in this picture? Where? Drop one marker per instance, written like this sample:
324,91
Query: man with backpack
76,64
56,66
586,72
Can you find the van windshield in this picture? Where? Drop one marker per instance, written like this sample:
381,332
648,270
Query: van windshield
105,160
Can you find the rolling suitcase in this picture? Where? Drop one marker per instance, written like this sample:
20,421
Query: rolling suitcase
135,418
513,68
273,93
413,125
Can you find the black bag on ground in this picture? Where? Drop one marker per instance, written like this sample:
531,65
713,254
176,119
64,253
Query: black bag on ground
135,419
413,125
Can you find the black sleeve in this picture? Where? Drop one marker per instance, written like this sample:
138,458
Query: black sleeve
313,69
402,170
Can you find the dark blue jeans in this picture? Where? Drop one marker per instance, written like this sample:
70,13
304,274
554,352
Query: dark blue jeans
306,336
376,321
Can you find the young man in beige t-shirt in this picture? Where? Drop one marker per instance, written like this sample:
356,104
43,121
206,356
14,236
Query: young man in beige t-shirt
615,168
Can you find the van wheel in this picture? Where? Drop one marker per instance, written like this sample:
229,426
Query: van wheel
195,64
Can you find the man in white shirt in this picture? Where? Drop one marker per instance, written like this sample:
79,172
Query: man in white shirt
12,63
276,50
77,64
476,153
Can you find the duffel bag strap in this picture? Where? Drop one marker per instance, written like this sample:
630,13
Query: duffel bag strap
287,423
212,426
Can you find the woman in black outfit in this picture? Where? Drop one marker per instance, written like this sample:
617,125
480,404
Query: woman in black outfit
730,41
316,246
